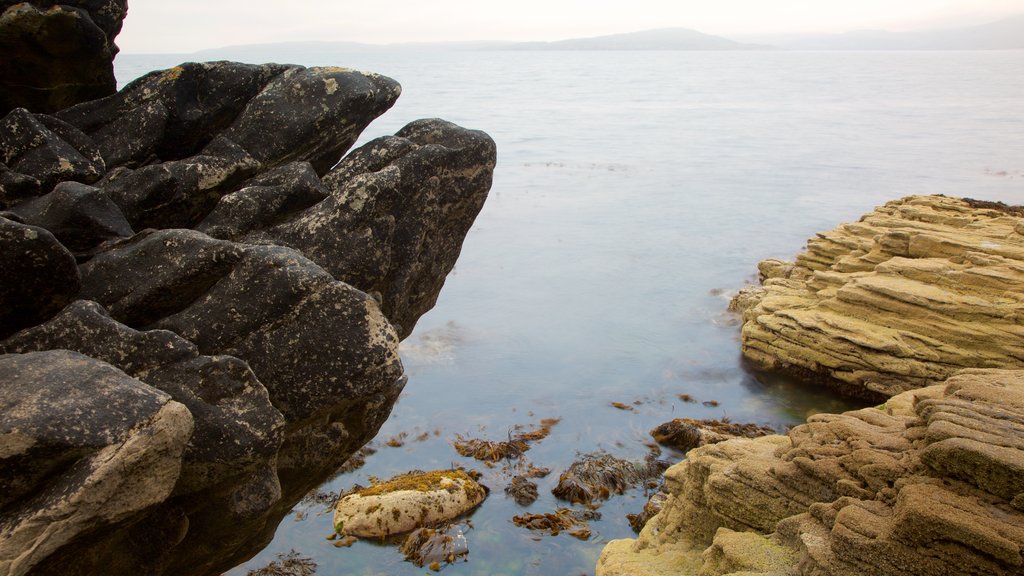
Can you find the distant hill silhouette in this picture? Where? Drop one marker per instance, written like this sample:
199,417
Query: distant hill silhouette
659,39
1005,34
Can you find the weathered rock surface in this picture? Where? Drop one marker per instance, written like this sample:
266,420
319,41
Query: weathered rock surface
399,207
80,216
40,276
407,502
57,54
236,427
82,446
904,298
929,483
276,339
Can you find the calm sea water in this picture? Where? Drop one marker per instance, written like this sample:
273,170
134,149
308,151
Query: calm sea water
634,192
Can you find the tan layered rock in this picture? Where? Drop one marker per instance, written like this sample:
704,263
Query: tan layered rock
932,482
910,294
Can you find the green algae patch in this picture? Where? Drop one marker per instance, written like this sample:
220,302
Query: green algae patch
420,482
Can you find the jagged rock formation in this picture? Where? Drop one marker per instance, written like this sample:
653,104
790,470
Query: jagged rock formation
932,482
907,296
57,54
192,250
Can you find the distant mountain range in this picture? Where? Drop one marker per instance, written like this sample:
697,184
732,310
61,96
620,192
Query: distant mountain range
1006,34
660,39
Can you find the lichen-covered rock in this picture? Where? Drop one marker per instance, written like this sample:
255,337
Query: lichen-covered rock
264,200
407,502
280,351
83,447
169,114
80,216
904,298
927,484
40,151
57,54
40,276
280,305
397,212
236,427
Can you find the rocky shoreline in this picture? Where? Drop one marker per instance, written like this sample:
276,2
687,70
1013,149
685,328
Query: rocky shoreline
918,305
204,292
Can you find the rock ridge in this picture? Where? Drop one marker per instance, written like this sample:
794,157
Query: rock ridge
913,292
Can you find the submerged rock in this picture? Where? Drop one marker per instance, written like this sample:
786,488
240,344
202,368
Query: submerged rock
927,484
406,502
435,546
904,298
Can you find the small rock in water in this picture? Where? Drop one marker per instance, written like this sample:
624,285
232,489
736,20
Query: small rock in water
652,507
407,502
686,433
435,546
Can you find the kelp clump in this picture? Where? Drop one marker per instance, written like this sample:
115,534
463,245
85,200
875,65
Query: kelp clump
516,445
599,475
572,522
523,490
287,564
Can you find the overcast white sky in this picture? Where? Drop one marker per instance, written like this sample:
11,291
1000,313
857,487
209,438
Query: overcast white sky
189,25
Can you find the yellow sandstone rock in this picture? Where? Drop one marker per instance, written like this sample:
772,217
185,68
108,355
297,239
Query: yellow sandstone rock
906,297
930,483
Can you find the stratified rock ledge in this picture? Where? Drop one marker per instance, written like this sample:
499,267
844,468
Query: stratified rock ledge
930,483
906,297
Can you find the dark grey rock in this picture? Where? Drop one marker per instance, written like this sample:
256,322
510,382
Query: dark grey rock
57,54
398,212
58,408
79,215
264,200
178,194
311,114
157,273
84,446
170,114
44,148
39,276
236,428
267,305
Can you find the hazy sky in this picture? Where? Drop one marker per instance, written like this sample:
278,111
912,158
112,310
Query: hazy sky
189,25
